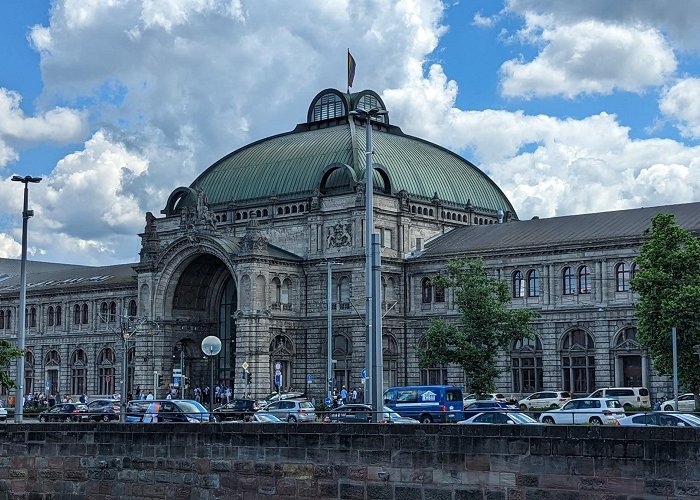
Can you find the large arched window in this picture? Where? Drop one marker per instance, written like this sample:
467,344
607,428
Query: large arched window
29,372
76,314
8,319
260,286
84,315
112,312
568,281
526,365
78,367
59,316
439,293
282,352
622,276
133,310
578,362
342,354
390,354
104,312
286,296
427,291
436,375
533,283
32,317
50,316
584,280
106,361
518,285
2,320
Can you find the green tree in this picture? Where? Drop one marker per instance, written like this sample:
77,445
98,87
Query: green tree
487,325
668,284
8,352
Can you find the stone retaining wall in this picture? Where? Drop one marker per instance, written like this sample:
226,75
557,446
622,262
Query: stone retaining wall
319,461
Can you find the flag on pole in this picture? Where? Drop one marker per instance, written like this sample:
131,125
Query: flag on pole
351,69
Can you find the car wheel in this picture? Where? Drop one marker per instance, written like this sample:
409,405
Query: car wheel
553,406
668,408
74,419
42,418
105,418
627,407
291,419
523,407
426,419
596,421
547,420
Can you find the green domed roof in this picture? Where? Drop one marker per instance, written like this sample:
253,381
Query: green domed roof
328,153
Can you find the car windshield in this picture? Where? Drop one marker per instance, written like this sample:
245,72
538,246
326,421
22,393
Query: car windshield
306,404
389,413
690,418
522,418
191,407
263,417
614,403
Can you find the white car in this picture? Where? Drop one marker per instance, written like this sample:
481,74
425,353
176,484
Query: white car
544,399
500,417
594,411
686,402
660,419
3,412
470,398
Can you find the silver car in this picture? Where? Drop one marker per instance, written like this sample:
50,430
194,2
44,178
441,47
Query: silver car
292,410
594,411
660,420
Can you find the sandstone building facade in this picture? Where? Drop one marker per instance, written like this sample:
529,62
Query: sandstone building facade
242,254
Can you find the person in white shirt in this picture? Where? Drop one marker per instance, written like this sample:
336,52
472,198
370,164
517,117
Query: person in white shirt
150,396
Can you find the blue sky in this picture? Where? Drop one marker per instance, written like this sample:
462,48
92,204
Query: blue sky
571,107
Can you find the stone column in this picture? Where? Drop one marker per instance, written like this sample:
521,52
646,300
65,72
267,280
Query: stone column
618,371
645,370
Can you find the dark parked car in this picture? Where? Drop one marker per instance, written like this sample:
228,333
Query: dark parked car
104,410
362,413
481,406
65,412
237,409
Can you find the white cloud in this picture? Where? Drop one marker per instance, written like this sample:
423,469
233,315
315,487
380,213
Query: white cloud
681,103
59,125
9,248
549,166
589,57
83,207
678,19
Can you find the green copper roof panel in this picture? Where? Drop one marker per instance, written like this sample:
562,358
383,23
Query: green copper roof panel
291,164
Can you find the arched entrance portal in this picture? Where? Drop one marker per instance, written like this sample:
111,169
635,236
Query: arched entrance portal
204,303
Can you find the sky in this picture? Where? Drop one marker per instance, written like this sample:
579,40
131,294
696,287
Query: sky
570,107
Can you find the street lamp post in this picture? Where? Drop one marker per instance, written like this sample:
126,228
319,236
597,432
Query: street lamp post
211,346
371,364
26,214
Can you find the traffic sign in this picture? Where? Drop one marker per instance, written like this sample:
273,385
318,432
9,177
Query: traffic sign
245,365
364,373
278,365
328,402
309,378
278,378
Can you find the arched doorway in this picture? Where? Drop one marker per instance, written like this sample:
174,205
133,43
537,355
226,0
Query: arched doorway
631,363
204,302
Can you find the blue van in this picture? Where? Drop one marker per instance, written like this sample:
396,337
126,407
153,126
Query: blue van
427,403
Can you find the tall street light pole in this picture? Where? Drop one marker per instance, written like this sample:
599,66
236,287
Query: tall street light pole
370,362
26,214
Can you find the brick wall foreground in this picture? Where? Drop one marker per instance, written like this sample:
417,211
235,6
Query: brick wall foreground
319,461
